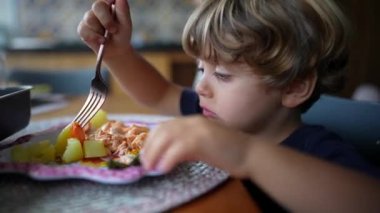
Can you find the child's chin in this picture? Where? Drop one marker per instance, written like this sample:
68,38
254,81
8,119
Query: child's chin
211,117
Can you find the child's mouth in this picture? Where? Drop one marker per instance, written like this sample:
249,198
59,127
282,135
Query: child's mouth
207,113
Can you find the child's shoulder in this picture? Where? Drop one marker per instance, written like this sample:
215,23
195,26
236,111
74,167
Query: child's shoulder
189,102
316,140
322,143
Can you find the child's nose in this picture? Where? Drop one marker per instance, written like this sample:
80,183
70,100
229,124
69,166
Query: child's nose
203,88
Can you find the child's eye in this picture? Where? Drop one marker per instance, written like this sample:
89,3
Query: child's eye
221,76
201,69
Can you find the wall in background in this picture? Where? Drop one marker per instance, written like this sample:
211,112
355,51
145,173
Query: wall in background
364,63
7,17
153,20
6,13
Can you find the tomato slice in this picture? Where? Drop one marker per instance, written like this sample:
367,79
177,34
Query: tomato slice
78,132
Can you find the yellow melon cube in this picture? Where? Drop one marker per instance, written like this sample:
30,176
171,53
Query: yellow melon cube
73,151
61,142
99,119
94,148
19,154
41,152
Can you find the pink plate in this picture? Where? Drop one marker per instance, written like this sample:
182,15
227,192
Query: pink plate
48,130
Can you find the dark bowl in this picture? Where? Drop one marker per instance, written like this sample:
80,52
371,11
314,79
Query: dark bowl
14,109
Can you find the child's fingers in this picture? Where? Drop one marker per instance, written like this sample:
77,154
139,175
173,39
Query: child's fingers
123,13
93,22
168,160
154,147
93,39
102,10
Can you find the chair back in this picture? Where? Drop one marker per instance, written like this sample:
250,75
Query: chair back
357,122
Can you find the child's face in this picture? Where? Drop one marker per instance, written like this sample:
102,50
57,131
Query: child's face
233,94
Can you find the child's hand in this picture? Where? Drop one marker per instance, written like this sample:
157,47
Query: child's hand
196,138
92,27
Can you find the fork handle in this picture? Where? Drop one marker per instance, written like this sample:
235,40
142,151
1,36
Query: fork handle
101,47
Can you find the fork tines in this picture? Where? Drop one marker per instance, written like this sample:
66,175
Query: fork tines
94,102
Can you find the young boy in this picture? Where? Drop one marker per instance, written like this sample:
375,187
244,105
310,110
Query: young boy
263,64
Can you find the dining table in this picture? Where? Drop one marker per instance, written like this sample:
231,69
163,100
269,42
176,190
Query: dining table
227,196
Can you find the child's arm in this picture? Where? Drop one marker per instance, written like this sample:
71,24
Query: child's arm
298,182
144,84
136,76
303,183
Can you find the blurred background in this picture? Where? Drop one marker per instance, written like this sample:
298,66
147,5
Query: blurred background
41,35
39,38
56,20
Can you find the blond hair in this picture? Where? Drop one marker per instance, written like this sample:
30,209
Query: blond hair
287,39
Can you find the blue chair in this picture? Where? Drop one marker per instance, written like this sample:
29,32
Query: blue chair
68,82
357,122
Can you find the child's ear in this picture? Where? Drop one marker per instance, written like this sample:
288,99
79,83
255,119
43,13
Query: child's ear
299,91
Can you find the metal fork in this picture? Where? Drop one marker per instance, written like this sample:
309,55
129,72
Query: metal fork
98,90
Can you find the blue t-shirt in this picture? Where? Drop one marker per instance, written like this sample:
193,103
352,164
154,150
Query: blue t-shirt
310,139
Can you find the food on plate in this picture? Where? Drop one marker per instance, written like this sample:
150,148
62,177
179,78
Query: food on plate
99,119
20,154
73,151
41,152
102,140
61,142
75,131
118,165
78,132
94,149
122,141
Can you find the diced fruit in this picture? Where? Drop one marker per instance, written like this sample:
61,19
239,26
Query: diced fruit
78,132
73,130
20,154
99,119
94,148
41,152
73,151
61,142
48,154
